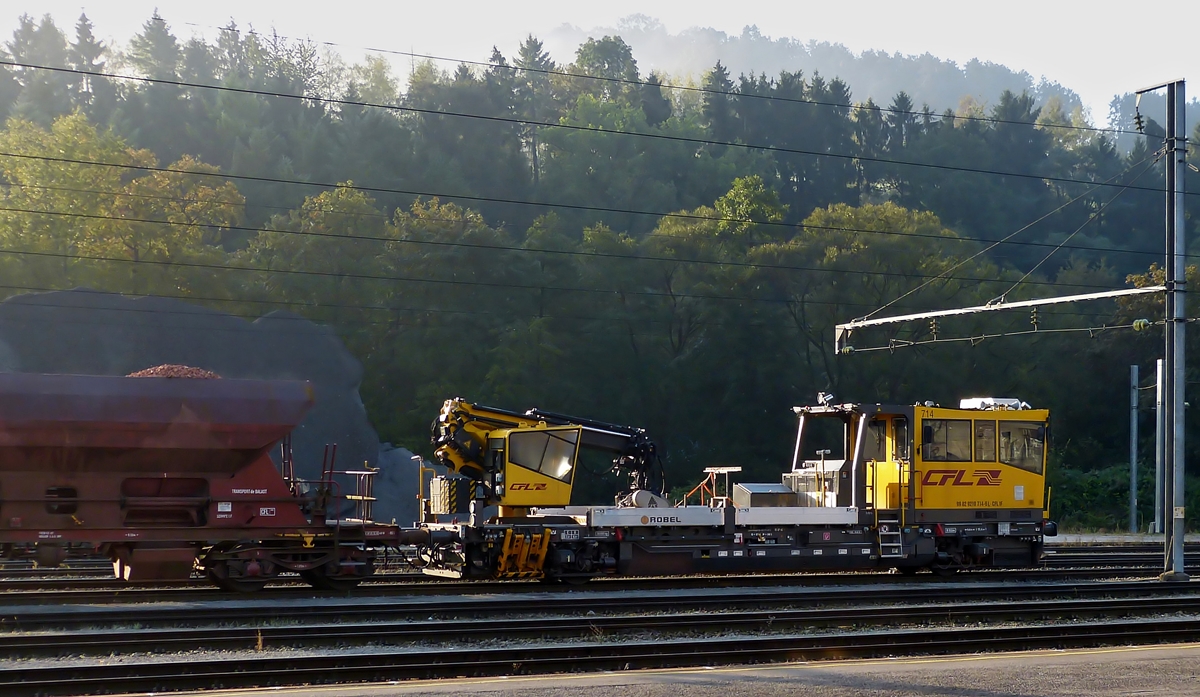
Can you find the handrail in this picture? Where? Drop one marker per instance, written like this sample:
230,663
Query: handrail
702,487
875,491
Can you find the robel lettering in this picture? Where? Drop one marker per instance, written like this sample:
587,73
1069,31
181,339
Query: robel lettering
659,519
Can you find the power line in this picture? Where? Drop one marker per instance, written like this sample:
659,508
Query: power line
521,202
431,281
1006,239
895,344
676,215
507,248
496,200
343,321
399,279
683,88
684,216
1081,226
570,127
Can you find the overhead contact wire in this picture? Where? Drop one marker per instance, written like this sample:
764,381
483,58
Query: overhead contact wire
992,246
546,124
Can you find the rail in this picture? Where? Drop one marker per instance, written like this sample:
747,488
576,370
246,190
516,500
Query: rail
1141,609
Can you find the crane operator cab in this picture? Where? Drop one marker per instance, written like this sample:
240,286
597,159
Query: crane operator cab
518,461
501,459
534,466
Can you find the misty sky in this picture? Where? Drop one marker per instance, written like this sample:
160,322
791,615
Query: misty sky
1097,49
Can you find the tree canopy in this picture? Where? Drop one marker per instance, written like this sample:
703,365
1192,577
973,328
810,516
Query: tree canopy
576,234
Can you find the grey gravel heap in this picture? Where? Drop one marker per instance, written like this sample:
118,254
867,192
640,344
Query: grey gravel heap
94,333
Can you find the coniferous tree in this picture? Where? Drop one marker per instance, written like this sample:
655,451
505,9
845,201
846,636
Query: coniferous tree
534,96
95,94
45,94
719,115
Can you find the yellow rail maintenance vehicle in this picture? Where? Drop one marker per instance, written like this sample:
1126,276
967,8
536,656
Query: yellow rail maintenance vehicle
869,486
948,488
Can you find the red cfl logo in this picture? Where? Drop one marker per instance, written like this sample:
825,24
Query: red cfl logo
959,478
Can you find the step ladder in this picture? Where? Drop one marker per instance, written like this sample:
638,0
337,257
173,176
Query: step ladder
891,540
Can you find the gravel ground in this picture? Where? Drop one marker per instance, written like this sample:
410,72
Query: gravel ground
1170,670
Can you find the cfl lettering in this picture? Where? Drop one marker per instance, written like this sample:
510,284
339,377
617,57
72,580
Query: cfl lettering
959,478
525,486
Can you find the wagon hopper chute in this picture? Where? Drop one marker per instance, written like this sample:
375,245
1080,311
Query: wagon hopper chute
161,473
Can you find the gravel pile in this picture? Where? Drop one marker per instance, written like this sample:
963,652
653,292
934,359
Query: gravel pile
171,370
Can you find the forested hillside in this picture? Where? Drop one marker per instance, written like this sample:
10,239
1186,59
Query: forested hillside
928,79
571,233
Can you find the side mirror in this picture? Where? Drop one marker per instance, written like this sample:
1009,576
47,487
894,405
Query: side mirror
926,434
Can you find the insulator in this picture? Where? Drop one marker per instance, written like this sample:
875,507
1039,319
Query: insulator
1141,325
933,327
1033,317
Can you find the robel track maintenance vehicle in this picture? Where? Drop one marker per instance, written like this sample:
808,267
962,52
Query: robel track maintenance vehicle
869,486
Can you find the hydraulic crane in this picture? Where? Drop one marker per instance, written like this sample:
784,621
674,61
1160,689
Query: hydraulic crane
519,461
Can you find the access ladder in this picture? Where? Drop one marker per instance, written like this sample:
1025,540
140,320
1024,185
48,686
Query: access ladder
889,523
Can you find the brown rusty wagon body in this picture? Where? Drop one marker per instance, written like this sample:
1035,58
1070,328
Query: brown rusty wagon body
165,475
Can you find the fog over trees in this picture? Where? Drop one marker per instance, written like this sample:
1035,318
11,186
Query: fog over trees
926,78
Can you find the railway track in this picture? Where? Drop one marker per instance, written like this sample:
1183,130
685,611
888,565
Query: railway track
96,574
23,584
475,662
255,615
311,636
782,632
116,592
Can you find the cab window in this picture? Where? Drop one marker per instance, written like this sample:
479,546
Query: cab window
985,441
1023,444
875,441
901,439
550,452
946,440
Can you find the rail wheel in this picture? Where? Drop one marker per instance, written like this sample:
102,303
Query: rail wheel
944,571
908,570
567,580
235,585
236,574
317,579
328,578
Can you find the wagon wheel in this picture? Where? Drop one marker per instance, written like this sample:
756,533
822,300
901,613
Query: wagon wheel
317,579
234,585
575,580
321,577
222,574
